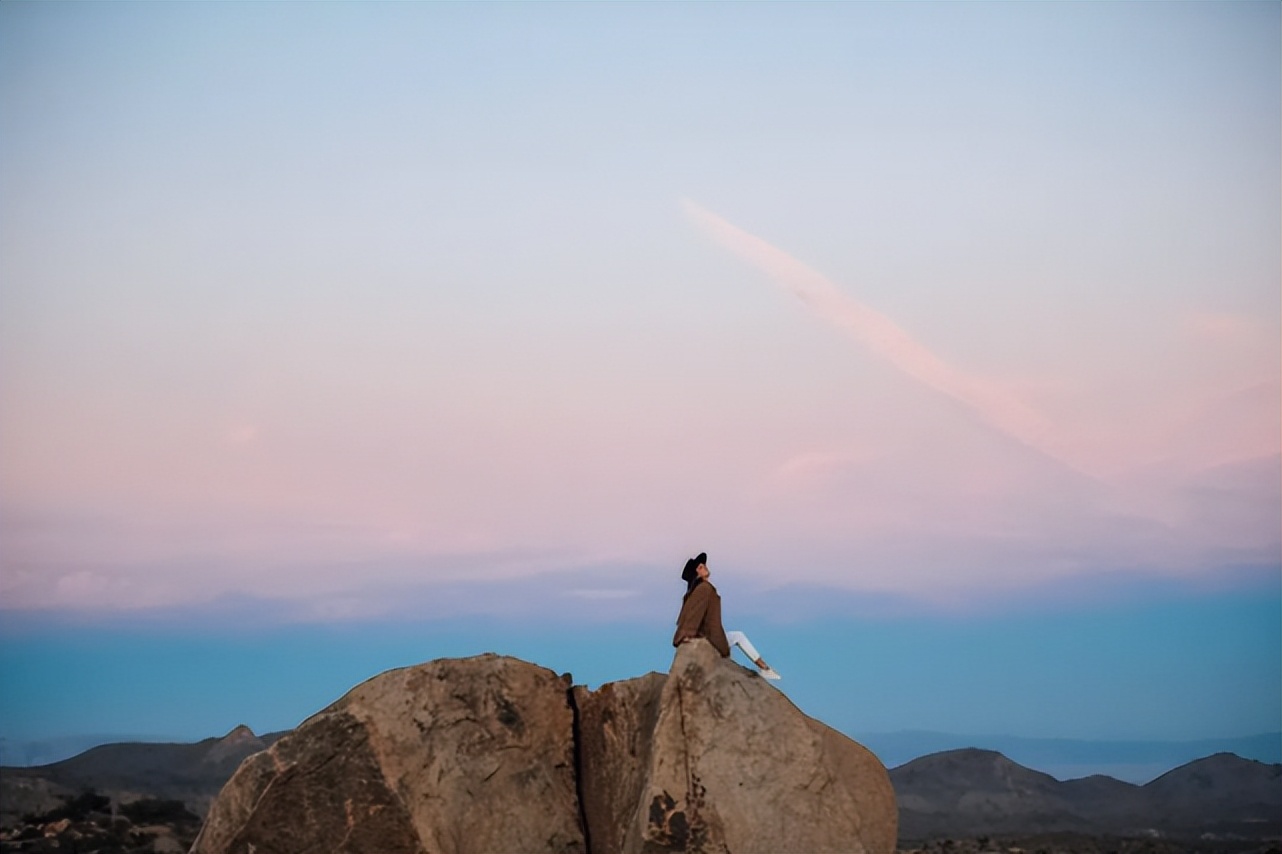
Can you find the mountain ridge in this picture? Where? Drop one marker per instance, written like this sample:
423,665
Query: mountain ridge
971,792
1130,760
191,772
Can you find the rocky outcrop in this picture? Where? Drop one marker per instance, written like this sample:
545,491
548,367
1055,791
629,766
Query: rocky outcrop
235,745
450,756
493,754
735,766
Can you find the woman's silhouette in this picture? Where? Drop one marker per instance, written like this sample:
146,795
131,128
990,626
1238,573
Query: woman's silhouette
700,616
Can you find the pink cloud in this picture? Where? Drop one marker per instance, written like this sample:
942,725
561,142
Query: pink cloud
884,338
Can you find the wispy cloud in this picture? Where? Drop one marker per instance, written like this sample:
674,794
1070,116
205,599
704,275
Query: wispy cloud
886,339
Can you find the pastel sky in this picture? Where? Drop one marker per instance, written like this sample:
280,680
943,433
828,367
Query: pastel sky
316,317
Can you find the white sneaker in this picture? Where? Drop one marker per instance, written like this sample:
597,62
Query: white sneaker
769,673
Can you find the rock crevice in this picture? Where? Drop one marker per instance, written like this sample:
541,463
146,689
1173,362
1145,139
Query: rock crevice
577,729
493,754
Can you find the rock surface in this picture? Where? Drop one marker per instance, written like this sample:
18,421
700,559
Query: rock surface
735,766
493,754
616,738
473,755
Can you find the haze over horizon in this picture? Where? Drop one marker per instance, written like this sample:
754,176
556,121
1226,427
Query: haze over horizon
339,337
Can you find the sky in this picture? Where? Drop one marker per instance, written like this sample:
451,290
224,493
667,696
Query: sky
337,337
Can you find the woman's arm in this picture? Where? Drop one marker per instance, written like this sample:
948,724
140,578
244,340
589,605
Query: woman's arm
691,617
712,628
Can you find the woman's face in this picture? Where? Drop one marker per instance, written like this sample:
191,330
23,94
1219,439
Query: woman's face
702,570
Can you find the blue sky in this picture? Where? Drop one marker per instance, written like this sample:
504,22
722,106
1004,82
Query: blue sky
1150,663
335,337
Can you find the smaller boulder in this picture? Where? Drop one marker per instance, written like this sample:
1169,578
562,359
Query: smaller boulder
735,766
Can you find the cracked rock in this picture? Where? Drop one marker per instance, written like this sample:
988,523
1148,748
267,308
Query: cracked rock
492,754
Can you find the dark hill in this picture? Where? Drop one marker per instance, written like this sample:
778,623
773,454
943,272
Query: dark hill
1223,794
1103,800
977,792
971,792
191,773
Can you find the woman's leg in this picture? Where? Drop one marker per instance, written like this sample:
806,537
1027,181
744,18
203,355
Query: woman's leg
740,640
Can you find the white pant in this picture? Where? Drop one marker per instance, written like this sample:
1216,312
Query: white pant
740,640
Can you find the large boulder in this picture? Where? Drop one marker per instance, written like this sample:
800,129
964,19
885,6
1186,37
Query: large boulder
448,757
492,754
733,765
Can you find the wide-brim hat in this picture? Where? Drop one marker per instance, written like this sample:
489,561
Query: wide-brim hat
690,573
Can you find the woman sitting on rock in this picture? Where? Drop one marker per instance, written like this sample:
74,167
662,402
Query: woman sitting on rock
701,616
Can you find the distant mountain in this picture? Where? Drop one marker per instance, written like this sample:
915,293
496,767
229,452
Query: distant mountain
972,792
46,751
1065,759
1222,793
192,773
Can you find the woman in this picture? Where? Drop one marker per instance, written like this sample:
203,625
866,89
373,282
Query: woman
700,616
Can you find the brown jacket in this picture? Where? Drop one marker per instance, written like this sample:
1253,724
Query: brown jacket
701,618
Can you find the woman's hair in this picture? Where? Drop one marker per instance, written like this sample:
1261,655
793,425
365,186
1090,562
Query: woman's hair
690,575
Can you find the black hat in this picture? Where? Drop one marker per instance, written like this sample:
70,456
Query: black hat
689,573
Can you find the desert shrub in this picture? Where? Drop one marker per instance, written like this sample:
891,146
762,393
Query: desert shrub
77,808
157,811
